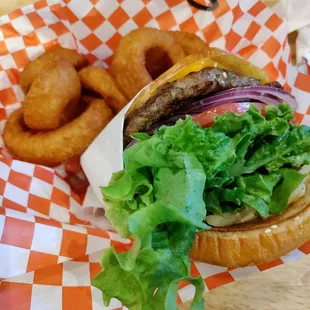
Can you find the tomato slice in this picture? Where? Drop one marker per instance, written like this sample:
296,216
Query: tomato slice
206,118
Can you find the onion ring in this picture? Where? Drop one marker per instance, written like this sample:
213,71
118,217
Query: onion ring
57,86
59,145
190,43
101,82
34,68
129,62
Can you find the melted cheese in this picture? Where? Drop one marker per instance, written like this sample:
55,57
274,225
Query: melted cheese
196,66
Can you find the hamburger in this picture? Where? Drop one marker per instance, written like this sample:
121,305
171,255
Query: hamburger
245,238
215,170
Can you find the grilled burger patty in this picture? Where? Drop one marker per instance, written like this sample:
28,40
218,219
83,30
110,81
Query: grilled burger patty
171,97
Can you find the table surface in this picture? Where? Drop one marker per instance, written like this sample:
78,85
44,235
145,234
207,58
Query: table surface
283,287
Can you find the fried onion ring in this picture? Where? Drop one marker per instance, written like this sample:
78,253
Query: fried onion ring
129,62
34,68
190,43
59,145
57,86
102,83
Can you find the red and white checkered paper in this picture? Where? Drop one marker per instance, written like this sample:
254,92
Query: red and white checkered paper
47,254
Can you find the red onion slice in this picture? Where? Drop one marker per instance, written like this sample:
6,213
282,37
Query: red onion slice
263,94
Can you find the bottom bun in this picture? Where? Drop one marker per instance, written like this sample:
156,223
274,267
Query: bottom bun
258,242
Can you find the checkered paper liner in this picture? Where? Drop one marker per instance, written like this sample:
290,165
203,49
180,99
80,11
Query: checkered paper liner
48,255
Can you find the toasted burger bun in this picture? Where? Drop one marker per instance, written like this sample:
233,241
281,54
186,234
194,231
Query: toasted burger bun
258,242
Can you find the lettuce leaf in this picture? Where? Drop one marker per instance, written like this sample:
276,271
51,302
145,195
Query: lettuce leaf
294,160
281,194
251,130
158,200
131,192
267,194
278,147
282,111
239,196
214,150
152,282
259,185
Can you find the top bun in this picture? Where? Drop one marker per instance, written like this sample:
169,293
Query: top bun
212,57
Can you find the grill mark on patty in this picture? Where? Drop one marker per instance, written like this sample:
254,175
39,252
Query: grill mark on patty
171,97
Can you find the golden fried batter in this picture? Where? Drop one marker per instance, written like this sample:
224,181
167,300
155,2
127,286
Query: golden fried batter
56,146
129,62
57,86
190,43
101,82
33,68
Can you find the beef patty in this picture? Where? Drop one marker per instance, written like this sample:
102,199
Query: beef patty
171,97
